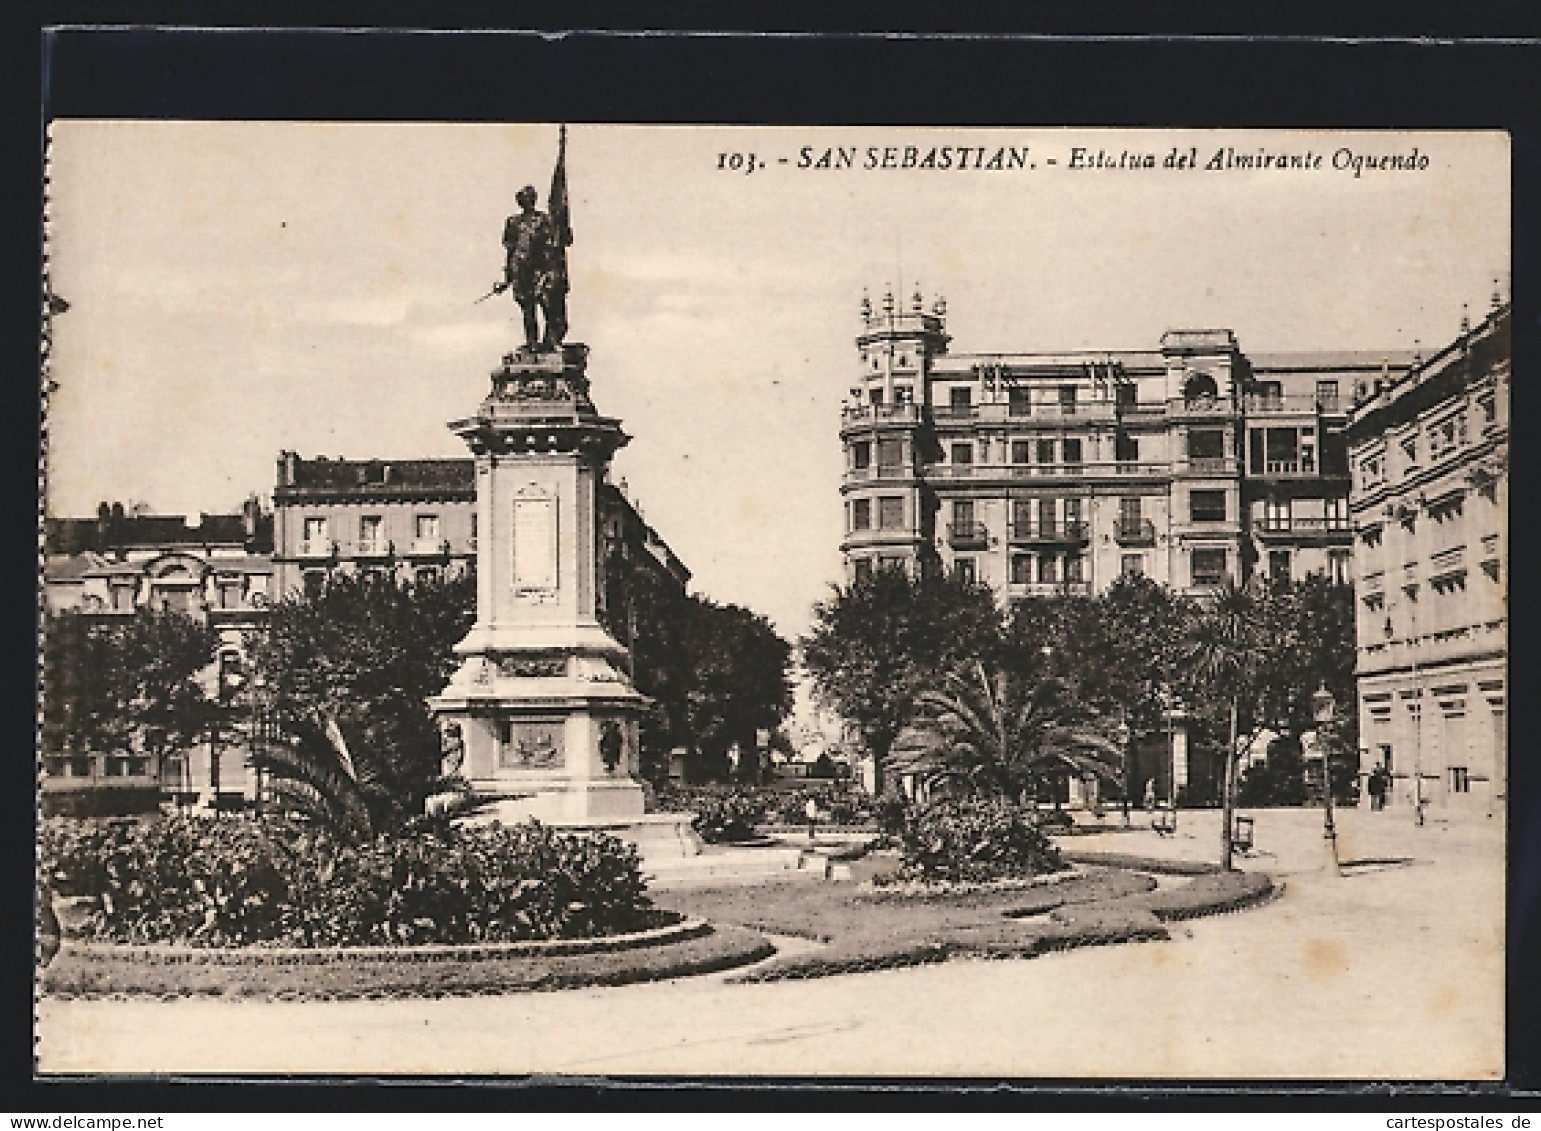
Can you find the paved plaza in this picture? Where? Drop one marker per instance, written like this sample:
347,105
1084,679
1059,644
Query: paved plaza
1387,971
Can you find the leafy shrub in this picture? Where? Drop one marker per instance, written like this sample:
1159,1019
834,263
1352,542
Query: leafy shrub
725,813
727,818
242,881
973,840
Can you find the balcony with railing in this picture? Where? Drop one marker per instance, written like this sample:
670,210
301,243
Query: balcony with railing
875,535
1134,532
1070,533
430,548
373,548
1209,465
1285,469
1297,527
1049,589
317,548
872,413
967,535
1292,404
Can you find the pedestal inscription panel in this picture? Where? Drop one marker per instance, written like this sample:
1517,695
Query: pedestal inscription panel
535,544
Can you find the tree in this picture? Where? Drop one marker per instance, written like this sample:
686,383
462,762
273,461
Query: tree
125,684
878,642
1001,733
348,673
1226,654
737,683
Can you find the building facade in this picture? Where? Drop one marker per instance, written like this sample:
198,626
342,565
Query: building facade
1429,453
418,518
217,570
1047,473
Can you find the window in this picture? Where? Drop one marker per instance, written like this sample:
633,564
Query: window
314,580
963,453
230,592
1370,472
1278,567
1021,569
890,453
1327,396
1282,454
1072,515
893,563
370,530
962,514
963,569
862,569
1206,506
960,398
1021,451
1460,779
861,454
426,575
1206,443
1045,450
891,513
1132,565
1129,512
1410,451
1048,568
1126,449
875,396
315,536
427,528
903,394
1072,451
1337,512
1124,395
122,597
1022,514
1271,393
1276,514
1067,399
1075,568
861,514
1046,517
1338,566
1208,567
1489,407
1019,401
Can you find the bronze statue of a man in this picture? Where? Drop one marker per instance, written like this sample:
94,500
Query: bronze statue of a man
536,269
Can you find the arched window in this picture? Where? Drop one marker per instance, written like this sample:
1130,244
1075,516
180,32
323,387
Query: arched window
1200,387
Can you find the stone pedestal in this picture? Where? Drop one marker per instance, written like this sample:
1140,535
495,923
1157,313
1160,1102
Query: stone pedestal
545,714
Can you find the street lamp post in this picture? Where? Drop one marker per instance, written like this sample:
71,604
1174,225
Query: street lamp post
1326,726
1122,732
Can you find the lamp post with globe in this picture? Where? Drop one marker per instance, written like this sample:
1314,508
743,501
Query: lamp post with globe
1325,710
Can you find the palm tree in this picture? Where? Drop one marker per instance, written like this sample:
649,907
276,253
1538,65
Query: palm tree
997,734
1226,651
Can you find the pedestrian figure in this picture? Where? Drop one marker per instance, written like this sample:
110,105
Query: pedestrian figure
1150,795
811,811
1378,788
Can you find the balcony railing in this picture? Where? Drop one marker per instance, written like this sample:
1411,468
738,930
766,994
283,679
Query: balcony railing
1299,404
373,548
317,548
430,548
1210,465
1315,524
903,413
1289,467
1049,589
1135,532
961,534
1060,533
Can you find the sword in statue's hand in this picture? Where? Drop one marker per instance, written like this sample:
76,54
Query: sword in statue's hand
497,289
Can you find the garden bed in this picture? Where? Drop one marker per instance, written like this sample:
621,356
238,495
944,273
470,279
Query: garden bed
874,930
687,947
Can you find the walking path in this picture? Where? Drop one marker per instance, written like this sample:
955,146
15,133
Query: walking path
1390,972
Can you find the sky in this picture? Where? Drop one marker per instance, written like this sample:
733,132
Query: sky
238,289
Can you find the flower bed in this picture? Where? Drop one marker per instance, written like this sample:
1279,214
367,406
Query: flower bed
728,814
973,840
243,881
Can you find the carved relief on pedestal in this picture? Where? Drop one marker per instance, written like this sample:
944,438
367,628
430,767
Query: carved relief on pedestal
532,667
531,744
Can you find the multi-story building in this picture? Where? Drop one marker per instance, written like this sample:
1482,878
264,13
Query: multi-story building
218,570
417,517
1044,473
1429,452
